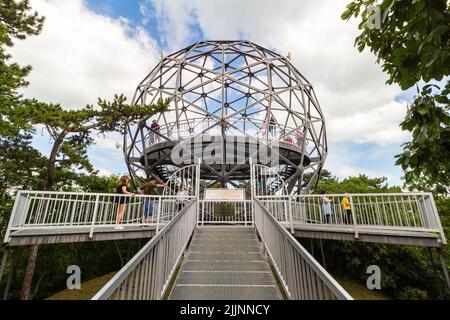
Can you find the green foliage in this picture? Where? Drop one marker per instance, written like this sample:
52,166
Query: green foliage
18,160
425,159
15,23
412,42
360,184
16,19
406,271
117,115
72,129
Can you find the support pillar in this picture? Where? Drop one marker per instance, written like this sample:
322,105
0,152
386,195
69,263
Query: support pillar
436,279
11,272
444,266
3,263
323,255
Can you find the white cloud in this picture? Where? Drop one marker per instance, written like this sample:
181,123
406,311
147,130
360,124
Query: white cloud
174,21
81,55
378,124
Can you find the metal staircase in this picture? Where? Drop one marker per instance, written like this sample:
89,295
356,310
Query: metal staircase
225,263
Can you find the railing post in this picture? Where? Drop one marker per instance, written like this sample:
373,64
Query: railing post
355,223
197,188
252,189
245,211
13,216
437,219
94,216
159,214
290,214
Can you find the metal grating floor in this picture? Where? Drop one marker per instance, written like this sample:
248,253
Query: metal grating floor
225,264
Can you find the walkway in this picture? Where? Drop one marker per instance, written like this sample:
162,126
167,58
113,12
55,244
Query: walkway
225,264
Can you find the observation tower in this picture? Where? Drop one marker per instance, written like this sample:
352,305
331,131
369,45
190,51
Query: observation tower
230,101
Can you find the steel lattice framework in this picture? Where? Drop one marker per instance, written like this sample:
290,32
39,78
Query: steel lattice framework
224,89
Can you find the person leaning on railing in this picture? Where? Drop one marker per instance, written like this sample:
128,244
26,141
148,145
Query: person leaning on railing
122,188
150,189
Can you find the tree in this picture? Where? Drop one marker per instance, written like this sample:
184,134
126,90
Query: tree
18,158
71,132
16,22
412,42
425,159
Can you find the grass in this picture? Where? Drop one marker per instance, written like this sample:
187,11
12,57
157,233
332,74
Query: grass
87,291
359,291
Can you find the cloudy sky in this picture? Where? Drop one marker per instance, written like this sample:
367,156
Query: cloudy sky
95,48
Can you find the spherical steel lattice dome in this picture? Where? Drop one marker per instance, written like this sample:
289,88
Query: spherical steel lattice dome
225,89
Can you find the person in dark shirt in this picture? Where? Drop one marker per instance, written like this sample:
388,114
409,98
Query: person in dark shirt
149,189
122,188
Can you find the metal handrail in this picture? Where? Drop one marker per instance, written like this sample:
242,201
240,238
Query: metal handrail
186,129
302,277
391,211
51,209
243,212
147,275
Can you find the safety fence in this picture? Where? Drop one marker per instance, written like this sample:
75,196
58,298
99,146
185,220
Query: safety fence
302,277
225,212
401,211
41,210
147,275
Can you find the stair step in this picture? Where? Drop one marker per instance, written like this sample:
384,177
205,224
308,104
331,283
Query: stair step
225,263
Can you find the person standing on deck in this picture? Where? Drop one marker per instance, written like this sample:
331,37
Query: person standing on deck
155,127
326,206
346,206
122,188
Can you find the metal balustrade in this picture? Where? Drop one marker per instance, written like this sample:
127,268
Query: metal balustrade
147,275
225,212
392,211
47,210
185,129
302,277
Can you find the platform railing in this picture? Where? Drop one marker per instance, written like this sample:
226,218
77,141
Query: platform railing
41,210
225,212
302,277
185,129
147,275
394,211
